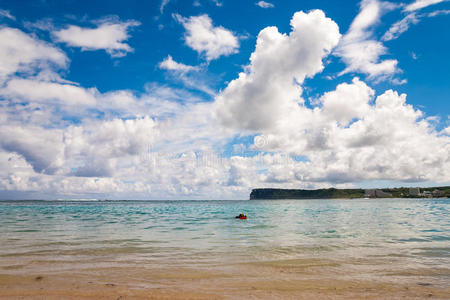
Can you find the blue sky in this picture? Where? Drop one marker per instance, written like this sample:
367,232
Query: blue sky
208,99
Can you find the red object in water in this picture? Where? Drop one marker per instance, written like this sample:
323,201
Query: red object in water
243,217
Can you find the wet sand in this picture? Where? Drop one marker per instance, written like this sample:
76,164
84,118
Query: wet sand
283,279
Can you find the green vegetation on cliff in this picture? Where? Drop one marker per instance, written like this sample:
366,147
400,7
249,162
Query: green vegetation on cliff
305,194
333,193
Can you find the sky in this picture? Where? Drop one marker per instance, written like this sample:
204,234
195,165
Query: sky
207,99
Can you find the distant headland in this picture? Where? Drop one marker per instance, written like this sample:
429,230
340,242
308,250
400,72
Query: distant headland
333,193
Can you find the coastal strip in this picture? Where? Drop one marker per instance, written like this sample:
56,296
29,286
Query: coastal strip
333,193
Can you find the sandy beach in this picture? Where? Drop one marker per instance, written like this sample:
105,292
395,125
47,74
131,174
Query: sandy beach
357,249
292,279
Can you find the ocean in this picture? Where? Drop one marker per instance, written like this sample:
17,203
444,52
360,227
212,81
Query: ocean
405,242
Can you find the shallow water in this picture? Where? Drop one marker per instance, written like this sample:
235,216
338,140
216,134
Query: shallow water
382,239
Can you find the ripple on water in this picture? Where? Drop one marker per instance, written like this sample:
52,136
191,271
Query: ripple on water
411,229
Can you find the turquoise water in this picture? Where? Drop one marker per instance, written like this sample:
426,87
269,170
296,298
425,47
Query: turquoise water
411,234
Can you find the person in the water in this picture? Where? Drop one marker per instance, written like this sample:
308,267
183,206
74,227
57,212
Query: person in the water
241,216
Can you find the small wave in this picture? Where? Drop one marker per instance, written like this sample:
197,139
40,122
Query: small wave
420,240
180,228
262,226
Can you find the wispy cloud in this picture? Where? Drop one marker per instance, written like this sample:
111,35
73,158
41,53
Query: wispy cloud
439,13
163,5
358,48
190,76
400,27
413,17
6,14
419,4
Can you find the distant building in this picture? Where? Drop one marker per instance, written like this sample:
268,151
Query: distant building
376,193
369,193
437,193
415,192
427,194
381,194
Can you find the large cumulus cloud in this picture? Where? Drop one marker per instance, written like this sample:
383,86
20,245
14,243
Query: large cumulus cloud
349,134
269,88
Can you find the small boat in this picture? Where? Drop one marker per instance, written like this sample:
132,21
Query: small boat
241,217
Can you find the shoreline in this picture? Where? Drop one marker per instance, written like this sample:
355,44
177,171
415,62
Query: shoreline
292,279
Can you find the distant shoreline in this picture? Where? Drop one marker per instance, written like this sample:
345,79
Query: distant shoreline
333,193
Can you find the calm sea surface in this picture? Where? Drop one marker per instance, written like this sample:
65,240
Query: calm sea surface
381,234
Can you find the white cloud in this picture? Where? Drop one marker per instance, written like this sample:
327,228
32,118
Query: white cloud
169,64
347,102
396,81
42,149
419,4
189,76
97,145
148,155
144,158
109,36
163,5
446,131
346,137
439,13
45,24
42,91
359,51
91,149
412,18
6,14
217,3
401,26
164,142
269,87
389,140
202,36
20,52
264,4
